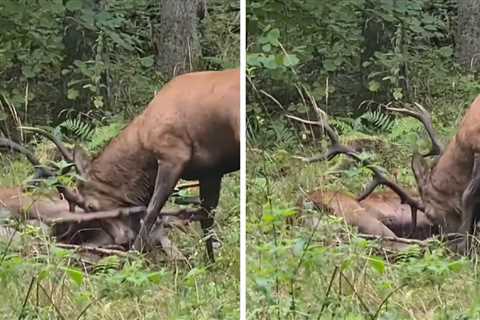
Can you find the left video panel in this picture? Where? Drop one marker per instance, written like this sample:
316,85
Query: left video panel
120,156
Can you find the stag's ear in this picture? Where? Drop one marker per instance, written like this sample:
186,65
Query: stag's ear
421,170
82,160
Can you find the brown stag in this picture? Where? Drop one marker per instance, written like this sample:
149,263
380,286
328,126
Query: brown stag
190,130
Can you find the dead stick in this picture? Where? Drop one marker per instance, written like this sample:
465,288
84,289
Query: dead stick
94,250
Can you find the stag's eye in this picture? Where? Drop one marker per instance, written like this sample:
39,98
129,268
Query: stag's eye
90,207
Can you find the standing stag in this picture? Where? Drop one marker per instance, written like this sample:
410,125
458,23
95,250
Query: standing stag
190,130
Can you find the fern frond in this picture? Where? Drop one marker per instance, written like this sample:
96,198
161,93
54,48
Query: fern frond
77,128
379,120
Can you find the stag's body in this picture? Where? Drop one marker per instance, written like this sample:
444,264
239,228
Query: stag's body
190,130
443,187
381,214
15,203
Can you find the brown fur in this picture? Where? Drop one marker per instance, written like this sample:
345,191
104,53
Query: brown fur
380,214
442,187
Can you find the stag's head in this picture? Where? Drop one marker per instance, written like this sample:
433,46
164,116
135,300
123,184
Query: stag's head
93,194
438,207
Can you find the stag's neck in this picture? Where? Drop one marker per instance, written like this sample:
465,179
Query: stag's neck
126,169
454,169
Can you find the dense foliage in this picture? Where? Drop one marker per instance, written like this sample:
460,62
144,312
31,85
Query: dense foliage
352,56
93,60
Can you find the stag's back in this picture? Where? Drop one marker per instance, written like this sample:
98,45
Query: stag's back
196,116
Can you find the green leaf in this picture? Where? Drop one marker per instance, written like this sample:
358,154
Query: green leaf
72,94
43,274
120,41
74,5
299,247
254,59
75,275
397,93
268,218
374,86
147,62
456,266
290,60
98,102
155,277
329,65
377,264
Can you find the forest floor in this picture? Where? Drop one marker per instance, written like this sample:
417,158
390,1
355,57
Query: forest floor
330,272
41,281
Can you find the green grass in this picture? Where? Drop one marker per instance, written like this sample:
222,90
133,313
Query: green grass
329,272
41,281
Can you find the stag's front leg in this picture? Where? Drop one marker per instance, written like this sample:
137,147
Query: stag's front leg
471,206
209,196
168,175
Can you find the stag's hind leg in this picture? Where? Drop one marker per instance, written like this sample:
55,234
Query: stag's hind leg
471,206
209,196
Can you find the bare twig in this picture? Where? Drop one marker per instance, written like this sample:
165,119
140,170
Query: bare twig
375,316
324,304
51,301
362,303
30,287
94,250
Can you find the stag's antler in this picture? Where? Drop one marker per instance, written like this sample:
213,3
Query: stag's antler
73,198
41,171
426,119
67,155
379,179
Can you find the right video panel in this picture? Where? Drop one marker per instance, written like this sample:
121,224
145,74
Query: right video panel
363,173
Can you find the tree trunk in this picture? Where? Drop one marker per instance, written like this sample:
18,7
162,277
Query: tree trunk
468,35
176,37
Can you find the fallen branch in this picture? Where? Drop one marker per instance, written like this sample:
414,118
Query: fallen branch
422,243
72,217
94,250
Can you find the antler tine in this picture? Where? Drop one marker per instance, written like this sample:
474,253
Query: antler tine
41,171
73,198
13,146
67,155
426,119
